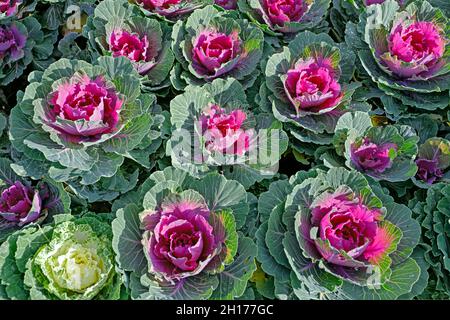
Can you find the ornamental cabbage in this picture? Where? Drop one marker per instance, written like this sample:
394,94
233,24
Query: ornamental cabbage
182,240
333,235
286,16
21,43
69,259
433,162
406,52
212,44
81,121
381,152
309,86
23,202
214,128
115,30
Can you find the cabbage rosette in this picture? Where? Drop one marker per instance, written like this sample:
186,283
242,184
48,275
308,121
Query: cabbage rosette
406,53
23,43
69,259
84,124
183,239
23,203
213,44
214,129
381,152
308,86
277,17
331,235
116,31
433,162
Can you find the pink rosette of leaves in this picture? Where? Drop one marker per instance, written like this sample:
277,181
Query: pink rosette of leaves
349,233
414,50
184,238
12,43
223,131
136,47
312,86
20,204
9,7
83,109
282,11
130,45
370,156
215,53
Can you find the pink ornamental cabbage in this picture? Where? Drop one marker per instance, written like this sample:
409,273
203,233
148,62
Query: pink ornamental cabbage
9,7
227,4
84,109
312,86
182,240
282,11
20,204
415,50
12,43
349,225
369,156
130,45
214,50
224,132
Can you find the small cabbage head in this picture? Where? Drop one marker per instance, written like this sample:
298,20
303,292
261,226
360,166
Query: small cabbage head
21,43
213,44
215,128
115,29
433,162
309,86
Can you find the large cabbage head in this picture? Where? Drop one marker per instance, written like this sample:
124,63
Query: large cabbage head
309,85
333,235
184,237
406,52
214,128
82,121
69,259
286,16
213,44
116,30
